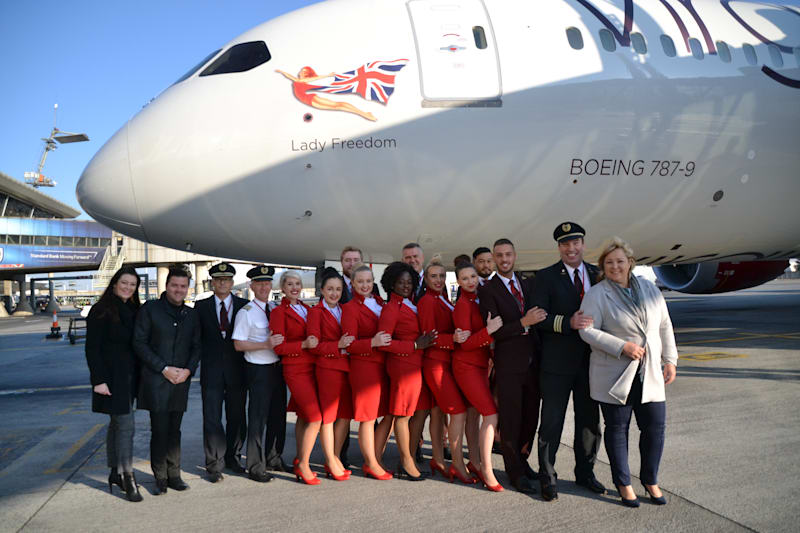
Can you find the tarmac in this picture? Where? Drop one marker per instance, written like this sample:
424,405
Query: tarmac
731,460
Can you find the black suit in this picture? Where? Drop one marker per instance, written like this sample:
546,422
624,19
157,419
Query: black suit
565,370
221,379
516,369
165,335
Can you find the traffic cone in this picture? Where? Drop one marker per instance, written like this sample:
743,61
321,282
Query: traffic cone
55,331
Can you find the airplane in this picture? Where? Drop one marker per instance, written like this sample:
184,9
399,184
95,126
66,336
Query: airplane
672,124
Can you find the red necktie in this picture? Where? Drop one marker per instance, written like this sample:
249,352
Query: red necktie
223,317
517,295
578,284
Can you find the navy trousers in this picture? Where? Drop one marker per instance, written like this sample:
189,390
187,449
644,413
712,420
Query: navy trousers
651,419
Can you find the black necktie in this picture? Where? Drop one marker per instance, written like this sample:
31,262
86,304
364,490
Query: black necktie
578,284
223,317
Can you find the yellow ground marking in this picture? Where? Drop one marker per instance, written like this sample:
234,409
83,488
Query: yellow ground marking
74,449
710,356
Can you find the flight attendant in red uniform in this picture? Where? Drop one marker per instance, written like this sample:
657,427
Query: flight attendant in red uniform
404,358
289,318
436,314
333,367
470,365
368,378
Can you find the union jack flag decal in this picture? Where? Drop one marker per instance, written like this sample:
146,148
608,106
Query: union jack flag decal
372,81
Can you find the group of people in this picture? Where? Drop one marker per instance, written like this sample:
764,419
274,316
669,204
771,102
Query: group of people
485,367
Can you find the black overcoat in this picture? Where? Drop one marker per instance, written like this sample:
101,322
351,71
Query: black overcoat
165,335
109,354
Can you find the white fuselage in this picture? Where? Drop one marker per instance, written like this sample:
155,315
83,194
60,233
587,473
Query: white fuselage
474,144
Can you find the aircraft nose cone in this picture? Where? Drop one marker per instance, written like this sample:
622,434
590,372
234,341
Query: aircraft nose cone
105,190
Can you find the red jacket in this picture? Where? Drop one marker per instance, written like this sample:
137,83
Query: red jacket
467,316
359,320
399,321
323,325
434,314
283,320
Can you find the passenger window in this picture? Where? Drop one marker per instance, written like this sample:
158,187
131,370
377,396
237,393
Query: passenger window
480,37
239,58
696,47
775,55
750,54
668,45
197,67
575,38
607,40
723,52
637,40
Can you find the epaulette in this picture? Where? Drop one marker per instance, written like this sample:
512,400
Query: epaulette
247,307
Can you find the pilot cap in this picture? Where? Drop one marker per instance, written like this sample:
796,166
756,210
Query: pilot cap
222,270
261,273
568,231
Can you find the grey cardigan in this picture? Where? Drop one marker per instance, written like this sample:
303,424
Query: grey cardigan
611,374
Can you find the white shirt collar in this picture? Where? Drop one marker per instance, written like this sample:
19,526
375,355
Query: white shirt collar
373,305
335,311
410,305
516,283
581,272
228,301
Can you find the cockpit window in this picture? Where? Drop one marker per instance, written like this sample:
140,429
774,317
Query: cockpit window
239,58
197,67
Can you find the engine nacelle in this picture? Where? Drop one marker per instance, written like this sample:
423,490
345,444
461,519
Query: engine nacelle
714,277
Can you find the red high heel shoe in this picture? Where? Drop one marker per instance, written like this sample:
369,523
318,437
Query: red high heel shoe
436,468
314,480
369,473
453,473
475,471
494,488
330,474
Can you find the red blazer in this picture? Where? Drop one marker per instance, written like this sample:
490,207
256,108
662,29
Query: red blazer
467,316
323,325
401,323
435,315
283,320
358,320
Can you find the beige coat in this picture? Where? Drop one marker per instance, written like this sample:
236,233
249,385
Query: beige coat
611,374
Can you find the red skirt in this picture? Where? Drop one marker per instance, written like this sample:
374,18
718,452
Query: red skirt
439,377
335,396
370,386
405,385
474,383
302,385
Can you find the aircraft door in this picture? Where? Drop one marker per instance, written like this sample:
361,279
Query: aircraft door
457,53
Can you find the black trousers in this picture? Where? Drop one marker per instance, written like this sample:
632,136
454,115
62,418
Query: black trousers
652,420
220,444
518,416
555,390
266,413
165,443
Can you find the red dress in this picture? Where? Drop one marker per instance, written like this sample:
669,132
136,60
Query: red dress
368,378
435,314
471,358
298,364
403,363
333,385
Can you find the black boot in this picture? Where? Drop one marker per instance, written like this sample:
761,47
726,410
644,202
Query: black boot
130,487
114,479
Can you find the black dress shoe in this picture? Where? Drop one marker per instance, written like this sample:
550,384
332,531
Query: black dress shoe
261,477
277,465
530,473
214,477
234,466
524,486
176,483
592,484
161,487
549,490
400,473
658,500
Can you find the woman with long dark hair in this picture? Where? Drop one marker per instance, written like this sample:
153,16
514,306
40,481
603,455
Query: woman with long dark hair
113,373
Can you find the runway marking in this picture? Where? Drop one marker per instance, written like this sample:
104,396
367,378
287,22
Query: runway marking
710,356
748,336
74,449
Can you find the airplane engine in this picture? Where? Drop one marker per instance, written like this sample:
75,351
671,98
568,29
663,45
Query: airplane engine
715,277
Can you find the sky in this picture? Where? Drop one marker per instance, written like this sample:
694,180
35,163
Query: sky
101,62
